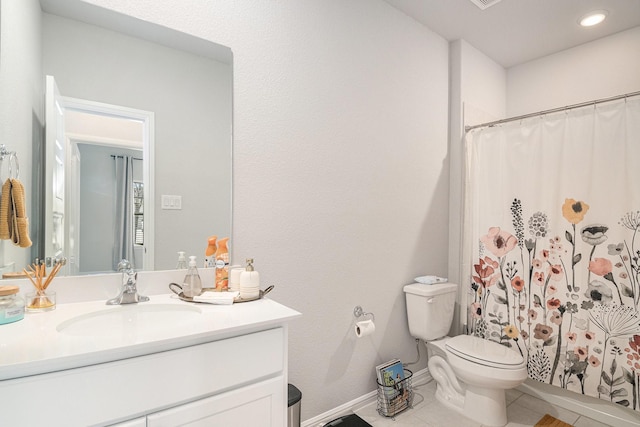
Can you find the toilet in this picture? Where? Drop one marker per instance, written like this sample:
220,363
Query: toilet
471,373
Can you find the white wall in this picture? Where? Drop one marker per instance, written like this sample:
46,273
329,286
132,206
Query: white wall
600,69
21,88
340,178
484,89
191,100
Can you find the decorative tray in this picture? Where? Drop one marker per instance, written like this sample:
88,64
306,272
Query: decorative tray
177,289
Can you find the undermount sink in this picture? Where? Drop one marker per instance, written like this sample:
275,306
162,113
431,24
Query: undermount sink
131,320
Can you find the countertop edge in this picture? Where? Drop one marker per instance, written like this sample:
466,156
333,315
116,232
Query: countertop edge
74,360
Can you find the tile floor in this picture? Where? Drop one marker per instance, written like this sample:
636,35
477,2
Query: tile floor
522,410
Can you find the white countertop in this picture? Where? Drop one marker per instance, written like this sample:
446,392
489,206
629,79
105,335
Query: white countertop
34,345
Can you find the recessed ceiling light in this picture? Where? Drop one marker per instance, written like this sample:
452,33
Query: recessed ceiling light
593,18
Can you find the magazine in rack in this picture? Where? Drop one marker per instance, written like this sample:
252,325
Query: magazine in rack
391,381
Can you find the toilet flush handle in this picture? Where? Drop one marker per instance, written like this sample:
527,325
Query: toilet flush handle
430,300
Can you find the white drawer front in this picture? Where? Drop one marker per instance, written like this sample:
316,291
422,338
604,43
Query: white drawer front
121,390
257,405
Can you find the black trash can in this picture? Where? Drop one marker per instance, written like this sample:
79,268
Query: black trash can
295,398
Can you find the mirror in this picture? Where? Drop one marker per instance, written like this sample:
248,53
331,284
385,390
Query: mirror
98,56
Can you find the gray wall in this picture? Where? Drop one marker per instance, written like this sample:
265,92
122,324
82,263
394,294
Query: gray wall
22,106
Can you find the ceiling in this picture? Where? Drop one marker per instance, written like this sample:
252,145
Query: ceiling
515,31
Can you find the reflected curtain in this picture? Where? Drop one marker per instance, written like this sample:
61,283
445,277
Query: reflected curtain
123,194
553,205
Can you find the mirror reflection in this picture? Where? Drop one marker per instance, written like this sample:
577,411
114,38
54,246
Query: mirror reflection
105,164
174,146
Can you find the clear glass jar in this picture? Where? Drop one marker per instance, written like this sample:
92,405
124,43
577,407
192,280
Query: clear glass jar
11,305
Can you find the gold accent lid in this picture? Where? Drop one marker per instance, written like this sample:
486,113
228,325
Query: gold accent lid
8,290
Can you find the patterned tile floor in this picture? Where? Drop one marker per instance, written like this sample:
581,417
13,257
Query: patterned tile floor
522,410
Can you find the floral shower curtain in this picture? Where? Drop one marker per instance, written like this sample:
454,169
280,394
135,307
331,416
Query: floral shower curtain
553,224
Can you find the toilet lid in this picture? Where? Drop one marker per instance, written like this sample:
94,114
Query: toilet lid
484,352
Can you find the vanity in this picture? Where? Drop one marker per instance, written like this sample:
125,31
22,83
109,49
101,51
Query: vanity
165,362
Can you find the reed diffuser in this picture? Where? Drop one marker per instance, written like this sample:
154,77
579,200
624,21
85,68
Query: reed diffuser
41,300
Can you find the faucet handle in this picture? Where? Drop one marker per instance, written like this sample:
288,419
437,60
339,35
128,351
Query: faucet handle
130,278
124,265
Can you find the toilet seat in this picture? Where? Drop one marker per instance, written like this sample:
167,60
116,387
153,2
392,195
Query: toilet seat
484,352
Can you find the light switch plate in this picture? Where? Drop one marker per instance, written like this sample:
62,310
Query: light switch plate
171,202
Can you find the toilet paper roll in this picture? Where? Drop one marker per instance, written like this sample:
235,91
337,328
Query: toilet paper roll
365,328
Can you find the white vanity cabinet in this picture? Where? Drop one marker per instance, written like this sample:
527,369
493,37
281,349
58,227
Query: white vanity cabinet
165,362
233,381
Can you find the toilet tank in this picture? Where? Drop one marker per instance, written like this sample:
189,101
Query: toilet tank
430,309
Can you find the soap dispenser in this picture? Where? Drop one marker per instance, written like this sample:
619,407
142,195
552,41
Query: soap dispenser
192,285
249,282
222,265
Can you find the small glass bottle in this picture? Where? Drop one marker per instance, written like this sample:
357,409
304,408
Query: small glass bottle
182,261
11,305
192,285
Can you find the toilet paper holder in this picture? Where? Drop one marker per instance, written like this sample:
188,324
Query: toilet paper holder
359,312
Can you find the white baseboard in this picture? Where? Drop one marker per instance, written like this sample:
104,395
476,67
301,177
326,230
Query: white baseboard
597,409
419,377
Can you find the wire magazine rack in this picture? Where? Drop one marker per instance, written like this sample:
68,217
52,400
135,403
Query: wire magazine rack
395,398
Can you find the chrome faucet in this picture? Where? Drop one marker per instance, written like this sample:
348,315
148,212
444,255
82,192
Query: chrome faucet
129,292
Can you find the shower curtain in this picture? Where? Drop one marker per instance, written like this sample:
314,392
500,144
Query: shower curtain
553,234
123,193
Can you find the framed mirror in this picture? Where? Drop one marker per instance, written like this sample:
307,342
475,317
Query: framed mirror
100,58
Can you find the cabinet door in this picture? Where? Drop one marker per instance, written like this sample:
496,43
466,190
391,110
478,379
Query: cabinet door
257,405
138,422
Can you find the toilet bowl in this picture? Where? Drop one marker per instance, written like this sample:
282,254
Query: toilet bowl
471,373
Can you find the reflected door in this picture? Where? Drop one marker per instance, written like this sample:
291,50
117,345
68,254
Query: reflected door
86,237
54,221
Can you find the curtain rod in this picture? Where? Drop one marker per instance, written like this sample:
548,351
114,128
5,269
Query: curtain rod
553,110
120,157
